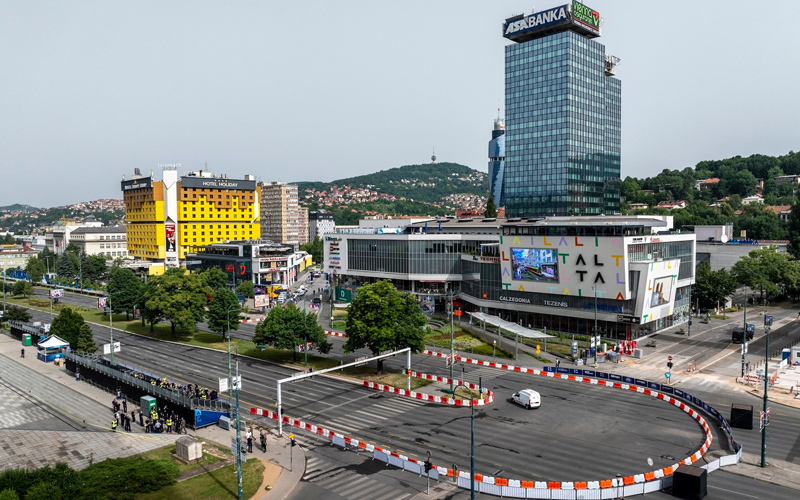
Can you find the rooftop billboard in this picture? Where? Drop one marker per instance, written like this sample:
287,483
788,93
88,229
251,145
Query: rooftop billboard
523,27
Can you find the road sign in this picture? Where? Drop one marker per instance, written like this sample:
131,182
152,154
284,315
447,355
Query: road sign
107,348
668,375
669,358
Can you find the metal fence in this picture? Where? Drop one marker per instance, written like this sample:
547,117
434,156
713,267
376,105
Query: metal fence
118,372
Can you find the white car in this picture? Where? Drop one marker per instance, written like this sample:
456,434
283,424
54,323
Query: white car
527,398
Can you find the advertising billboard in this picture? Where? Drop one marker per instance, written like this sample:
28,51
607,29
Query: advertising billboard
518,26
217,183
260,301
56,293
143,183
564,265
585,17
535,264
169,229
661,292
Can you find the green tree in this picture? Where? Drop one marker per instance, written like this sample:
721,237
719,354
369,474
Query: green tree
8,494
315,249
66,268
151,316
44,490
246,288
94,268
794,230
491,208
23,288
8,239
224,306
769,272
381,318
287,327
35,268
70,326
16,313
214,278
712,287
179,298
124,289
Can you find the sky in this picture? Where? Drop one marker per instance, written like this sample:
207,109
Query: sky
323,90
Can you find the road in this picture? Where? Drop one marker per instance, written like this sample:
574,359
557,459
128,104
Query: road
569,438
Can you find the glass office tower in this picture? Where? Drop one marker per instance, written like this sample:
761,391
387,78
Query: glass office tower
562,122
497,153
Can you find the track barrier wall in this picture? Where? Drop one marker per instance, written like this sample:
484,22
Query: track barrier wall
637,484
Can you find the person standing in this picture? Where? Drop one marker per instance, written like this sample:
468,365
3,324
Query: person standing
250,444
263,438
125,405
114,425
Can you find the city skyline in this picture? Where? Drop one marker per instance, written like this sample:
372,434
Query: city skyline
96,90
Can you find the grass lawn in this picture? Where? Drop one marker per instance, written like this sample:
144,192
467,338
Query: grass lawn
464,342
167,451
218,484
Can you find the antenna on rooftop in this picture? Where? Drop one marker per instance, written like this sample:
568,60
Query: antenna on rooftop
433,156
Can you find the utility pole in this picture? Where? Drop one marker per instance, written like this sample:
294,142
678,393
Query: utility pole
689,334
471,447
238,435
594,333
4,292
744,334
767,327
110,325
452,343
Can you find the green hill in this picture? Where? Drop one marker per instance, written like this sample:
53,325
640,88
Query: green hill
17,207
427,183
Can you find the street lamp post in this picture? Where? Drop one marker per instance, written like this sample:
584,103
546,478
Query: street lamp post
4,292
744,334
689,334
110,326
471,446
236,411
767,327
452,341
594,333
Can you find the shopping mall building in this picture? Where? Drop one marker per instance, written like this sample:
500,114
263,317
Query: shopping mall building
631,274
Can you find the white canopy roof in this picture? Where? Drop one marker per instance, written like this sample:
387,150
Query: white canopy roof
53,342
509,326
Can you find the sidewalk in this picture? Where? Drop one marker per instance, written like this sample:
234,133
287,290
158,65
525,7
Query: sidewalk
77,402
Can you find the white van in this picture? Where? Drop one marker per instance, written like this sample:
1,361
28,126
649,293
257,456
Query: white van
527,398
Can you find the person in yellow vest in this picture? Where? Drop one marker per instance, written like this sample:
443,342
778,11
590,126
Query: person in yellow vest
153,382
169,425
114,425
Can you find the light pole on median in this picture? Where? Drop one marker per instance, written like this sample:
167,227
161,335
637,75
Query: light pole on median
767,327
594,333
236,411
744,333
452,341
471,446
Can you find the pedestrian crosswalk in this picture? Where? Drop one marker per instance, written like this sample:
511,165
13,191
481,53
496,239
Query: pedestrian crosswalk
387,408
348,482
481,374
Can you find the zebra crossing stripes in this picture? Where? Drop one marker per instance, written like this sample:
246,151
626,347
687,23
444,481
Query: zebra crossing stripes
372,415
348,483
484,373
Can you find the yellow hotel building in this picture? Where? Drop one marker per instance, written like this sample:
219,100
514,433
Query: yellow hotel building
167,217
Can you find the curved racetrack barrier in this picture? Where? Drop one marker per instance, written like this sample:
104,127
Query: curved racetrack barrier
636,484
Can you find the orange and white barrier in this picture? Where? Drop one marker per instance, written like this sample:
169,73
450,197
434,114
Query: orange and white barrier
335,334
431,397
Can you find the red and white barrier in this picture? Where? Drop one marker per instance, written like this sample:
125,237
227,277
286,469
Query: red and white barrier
627,486
252,320
432,397
335,334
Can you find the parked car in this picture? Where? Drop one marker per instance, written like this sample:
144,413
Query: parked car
527,398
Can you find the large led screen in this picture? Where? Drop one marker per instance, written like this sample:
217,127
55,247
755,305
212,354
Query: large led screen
535,264
662,291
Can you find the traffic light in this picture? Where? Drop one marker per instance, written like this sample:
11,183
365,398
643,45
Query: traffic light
428,466
669,364
294,443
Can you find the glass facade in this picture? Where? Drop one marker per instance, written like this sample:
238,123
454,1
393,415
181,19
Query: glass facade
405,256
562,128
497,153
